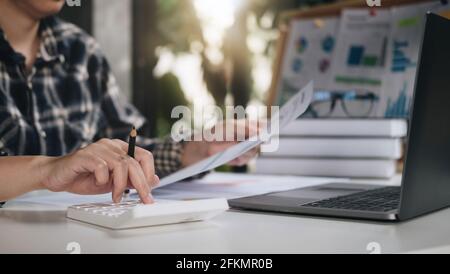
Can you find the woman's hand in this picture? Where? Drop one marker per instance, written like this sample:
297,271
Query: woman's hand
102,167
195,151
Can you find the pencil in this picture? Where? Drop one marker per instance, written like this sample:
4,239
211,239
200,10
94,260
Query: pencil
132,142
131,148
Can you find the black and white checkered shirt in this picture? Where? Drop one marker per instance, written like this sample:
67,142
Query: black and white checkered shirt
69,99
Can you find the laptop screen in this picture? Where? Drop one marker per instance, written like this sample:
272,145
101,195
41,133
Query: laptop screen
426,178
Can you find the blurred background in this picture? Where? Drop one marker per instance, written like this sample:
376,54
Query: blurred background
166,53
363,61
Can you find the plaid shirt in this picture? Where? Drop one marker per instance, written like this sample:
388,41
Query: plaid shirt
69,99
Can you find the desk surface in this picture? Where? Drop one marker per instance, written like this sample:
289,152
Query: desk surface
34,231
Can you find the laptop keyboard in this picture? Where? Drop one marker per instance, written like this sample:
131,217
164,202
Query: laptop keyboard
381,200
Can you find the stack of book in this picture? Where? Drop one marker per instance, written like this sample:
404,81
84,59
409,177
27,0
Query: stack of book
338,148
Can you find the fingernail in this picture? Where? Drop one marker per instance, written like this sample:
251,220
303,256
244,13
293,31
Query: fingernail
149,199
117,199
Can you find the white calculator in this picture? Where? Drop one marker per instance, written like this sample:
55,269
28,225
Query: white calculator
130,214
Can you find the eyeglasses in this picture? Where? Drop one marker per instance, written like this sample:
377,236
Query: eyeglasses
355,103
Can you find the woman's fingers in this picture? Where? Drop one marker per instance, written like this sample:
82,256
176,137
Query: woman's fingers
138,180
144,158
112,158
120,175
245,129
156,181
245,158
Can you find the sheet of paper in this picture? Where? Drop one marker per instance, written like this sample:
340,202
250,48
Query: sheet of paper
294,107
290,111
360,54
214,185
232,185
49,201
408,23
307,55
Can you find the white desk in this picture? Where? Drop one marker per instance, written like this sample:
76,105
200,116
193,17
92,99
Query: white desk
233,232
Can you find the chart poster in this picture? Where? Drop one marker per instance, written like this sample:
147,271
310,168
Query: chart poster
361,53
408,23
308,56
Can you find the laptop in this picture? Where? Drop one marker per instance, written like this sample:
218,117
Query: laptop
426,175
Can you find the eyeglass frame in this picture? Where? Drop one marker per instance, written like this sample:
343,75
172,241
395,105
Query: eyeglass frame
341,95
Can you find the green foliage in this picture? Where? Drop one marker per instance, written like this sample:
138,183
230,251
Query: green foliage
171,95
178,25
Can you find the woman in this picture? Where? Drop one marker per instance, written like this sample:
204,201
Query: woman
58,98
